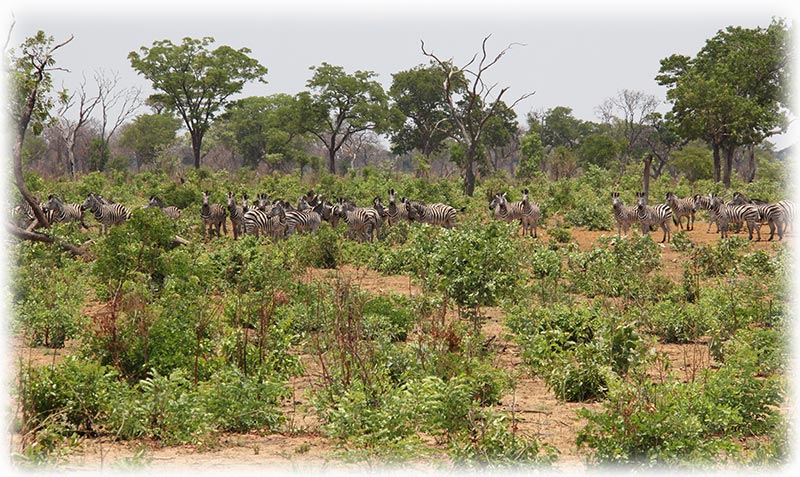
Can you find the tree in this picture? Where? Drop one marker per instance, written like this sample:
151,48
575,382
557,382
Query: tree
70,128
30,103
340,105
470,109
420,119
735,92
629,110
124,100
264,126
600,150
149,134
531,155
557,127
194,81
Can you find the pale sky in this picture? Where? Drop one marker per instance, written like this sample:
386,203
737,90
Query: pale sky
571,53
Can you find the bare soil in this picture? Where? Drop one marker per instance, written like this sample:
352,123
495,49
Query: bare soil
302,446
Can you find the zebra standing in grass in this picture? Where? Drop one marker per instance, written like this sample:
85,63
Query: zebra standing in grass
623,214
770,214
659,214
214,216
531,213
735,214
361,221
394,212
170,211
61,212
681,208
107,214
434,214
306,220
237,216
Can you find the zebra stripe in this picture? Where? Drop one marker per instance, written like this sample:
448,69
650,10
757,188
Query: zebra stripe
361,222
214,216
531,213
624,215
306,220
108,213
394,212
659,214
788,213
681,208
704,202
170,211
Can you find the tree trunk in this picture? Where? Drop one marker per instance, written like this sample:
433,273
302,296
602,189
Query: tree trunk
469,173
726,171
648,160
332,161
751,162
197,141
716,147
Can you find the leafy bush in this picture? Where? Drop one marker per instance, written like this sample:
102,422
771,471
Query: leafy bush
239,403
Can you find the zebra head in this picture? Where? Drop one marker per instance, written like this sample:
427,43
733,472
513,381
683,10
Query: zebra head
616,202
205,197
277,210
231,199
302,203
92,202
154,202
641,200
376,203
495,202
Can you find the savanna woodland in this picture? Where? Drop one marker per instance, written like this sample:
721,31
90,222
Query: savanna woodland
411,276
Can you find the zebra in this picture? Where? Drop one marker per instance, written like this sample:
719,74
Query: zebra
213,216
736,214
703,201
170,211
770,214
681,208
624,215
361,221
61,212
306,220
107,214
394,212
659,214
788,213
24,217
434,214
258,220
531,213
237,215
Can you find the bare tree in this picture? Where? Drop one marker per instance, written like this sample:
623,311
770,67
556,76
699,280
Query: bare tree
69,128
471,108
117,105
631,109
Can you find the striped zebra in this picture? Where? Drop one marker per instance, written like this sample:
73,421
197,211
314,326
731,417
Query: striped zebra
61,212
237,216
306,220
659,215
361,222
770,214
170,211
257,219
213,216
107,213
394,212
681,208
735,214
703,201
788,213
23,214
623,214
434,214
531,213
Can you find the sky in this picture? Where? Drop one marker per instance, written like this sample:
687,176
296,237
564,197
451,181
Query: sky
570,53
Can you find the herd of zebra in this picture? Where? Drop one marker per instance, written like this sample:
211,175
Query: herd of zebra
278,219
738,211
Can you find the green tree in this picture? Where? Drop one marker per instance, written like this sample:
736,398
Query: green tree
340,105
264,126
472,110
194,81
531,155
148,135
420,121
599,149
694,161
735,92
558,127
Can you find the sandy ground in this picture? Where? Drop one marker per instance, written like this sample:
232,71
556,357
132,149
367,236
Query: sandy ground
302,447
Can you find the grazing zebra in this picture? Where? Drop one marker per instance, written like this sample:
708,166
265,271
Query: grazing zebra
306,220
659,214
735,214
107,213
214,216
624,215
237,216
170,211
361,222
434,214
61,212
394,212
681,208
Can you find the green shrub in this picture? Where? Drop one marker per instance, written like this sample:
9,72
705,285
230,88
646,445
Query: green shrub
239,403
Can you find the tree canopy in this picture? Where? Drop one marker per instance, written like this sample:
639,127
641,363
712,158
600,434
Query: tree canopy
195,81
